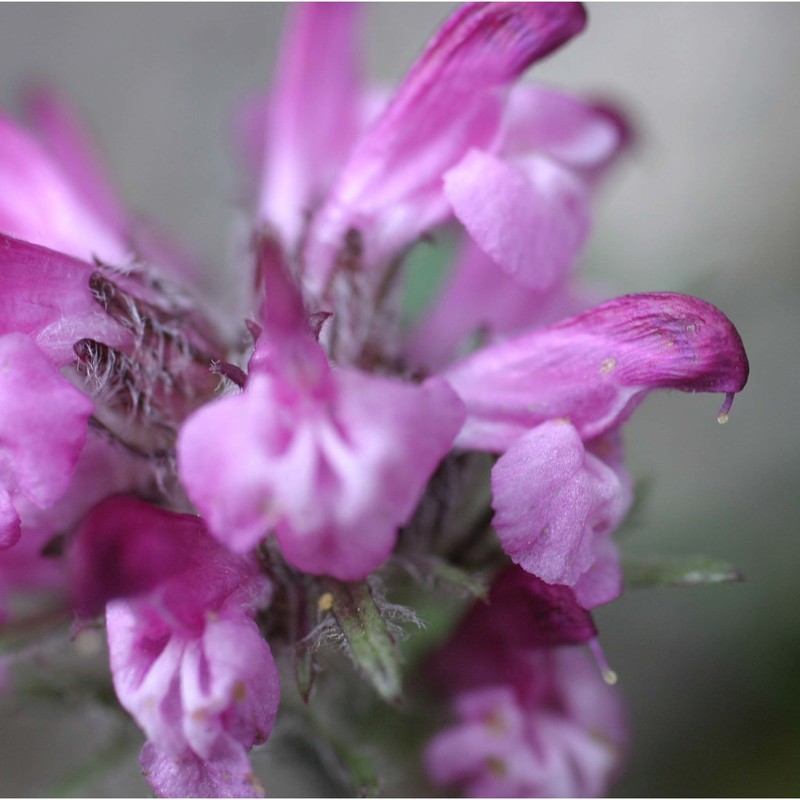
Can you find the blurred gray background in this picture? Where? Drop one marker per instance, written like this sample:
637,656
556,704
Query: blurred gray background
708,203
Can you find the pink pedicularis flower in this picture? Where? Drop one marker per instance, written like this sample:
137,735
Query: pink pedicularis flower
217,496
187,658
534,716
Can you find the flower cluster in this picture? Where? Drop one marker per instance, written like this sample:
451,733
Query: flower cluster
220,497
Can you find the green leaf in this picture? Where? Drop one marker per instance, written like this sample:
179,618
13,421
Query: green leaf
438,571
368,640
643,573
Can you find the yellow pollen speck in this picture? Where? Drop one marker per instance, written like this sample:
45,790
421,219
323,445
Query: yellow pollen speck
608,365
325,602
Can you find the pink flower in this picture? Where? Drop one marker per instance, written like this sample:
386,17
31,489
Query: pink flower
333,460
365,445
188,661
535,718
566,744
545,398
454,134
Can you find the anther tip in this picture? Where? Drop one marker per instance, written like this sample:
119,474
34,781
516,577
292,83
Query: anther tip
608,674
610,677
724,412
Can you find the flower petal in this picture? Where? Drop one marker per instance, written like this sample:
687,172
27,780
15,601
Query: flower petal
552,500
583,136
203,700
390,188
125,547
46,295
102,470
492,730
594,368
602,582
535,614
314,116
530,217
38,202
335,471
564,742
44,423
229,675
228,774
